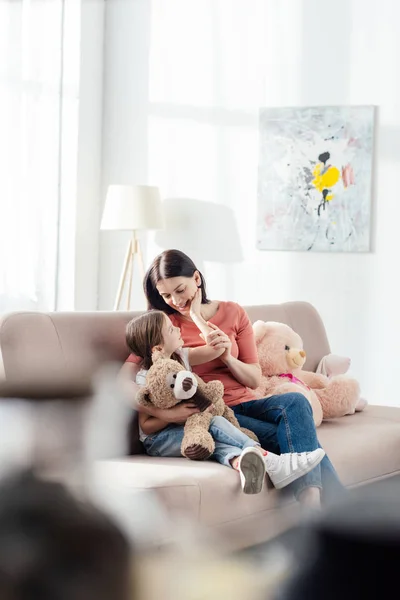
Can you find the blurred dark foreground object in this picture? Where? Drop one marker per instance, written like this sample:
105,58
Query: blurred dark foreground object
56,547
353,551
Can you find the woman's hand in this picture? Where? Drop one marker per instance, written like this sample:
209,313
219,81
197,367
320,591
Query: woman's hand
195,304
218,340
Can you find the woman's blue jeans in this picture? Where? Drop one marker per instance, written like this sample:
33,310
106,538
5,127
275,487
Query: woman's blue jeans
285,424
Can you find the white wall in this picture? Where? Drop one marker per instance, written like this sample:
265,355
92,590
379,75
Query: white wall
90,154
125,106
183,83
82,124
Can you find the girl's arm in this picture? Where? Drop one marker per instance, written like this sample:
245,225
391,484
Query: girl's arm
150,424
196,316
203,354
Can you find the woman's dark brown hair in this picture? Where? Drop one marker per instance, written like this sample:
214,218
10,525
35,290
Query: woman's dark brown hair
145,332
168,264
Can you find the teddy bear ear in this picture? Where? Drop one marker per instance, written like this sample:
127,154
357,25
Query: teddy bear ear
259,329
143,397
157,355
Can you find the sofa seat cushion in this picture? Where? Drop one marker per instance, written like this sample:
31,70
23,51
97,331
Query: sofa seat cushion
208,492
364,447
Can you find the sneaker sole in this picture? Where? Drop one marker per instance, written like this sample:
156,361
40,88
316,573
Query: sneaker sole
253,469
293,476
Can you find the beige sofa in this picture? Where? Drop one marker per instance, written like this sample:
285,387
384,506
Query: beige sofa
364,447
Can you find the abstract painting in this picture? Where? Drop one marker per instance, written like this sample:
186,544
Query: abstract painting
314,178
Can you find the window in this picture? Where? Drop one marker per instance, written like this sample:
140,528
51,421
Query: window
36,104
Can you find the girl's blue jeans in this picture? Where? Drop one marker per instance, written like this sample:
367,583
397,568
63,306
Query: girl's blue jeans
229,441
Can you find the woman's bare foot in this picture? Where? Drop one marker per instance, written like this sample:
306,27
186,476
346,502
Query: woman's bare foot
310,496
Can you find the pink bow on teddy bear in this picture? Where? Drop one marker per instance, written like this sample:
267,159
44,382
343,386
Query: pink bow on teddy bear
282,356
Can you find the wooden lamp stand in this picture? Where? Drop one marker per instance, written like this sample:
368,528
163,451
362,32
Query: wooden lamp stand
134,250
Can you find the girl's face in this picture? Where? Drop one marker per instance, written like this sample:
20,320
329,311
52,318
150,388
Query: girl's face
171,336
178,292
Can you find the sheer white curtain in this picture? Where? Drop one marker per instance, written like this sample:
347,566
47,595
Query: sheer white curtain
31,76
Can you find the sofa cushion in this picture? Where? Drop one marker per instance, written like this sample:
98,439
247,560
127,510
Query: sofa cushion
207,491
153,496
364,447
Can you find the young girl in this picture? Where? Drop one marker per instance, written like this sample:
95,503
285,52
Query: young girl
154,331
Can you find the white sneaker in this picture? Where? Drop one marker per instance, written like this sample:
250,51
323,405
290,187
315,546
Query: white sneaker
286,468
251,467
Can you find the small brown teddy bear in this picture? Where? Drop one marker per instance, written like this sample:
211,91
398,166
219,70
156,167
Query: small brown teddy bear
281,356
168,383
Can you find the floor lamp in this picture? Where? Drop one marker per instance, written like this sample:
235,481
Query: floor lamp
131,208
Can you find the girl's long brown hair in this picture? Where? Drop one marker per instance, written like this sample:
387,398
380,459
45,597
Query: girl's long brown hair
145,332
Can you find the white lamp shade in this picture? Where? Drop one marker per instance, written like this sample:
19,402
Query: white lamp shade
132,207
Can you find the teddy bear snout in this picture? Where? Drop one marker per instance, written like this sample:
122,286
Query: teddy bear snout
187,384
296,358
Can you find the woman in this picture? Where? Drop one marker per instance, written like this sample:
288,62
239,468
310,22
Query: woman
282,423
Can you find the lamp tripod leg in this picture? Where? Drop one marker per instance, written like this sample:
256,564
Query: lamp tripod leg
127,261
140,259
128,298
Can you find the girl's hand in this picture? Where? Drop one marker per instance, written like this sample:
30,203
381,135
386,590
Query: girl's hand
180,413
195,304
217,339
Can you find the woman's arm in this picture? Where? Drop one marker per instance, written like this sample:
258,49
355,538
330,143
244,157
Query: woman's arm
248,374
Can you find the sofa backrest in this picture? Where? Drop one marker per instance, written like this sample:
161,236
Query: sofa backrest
38,343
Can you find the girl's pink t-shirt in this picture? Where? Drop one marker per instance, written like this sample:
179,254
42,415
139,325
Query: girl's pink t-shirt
232,319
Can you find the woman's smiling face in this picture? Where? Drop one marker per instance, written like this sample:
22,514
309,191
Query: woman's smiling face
178,292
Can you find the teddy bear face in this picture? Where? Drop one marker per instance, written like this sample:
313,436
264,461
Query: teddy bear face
280,349
160,382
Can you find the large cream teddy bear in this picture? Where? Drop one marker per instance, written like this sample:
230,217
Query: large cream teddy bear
281,356
168,383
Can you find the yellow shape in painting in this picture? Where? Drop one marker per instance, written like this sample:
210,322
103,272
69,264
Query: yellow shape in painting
327,179
328,197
